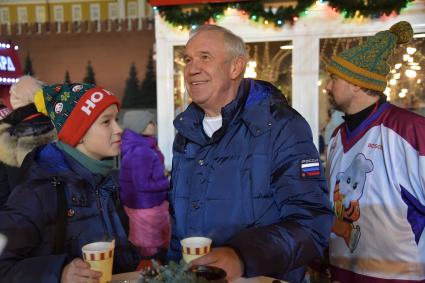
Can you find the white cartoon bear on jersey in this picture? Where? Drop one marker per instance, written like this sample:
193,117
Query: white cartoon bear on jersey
347,193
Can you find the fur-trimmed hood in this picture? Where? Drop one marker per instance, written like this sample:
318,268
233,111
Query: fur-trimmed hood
14,148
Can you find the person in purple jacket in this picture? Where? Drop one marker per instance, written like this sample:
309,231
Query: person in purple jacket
144,184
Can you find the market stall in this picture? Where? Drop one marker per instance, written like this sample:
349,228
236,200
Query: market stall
301,36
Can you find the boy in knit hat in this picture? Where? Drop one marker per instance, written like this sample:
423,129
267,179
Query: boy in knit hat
376,170
68,198
144,184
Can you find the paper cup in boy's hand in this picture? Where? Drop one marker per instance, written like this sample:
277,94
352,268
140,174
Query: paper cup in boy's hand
100,256
195,247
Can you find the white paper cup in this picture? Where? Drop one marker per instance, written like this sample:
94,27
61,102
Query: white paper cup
100,256
195,247
3,241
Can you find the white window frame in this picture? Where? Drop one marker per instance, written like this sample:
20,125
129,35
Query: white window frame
113,11
40,14
22,14
95,12
132,10
58,14
76,13
4,15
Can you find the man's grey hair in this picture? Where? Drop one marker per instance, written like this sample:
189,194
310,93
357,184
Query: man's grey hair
235,44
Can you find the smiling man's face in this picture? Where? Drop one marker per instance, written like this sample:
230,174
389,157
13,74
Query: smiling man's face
208,72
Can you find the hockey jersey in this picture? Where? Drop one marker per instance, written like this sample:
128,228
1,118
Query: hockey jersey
376,175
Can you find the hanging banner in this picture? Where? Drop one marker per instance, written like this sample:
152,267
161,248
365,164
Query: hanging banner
186,2
10,67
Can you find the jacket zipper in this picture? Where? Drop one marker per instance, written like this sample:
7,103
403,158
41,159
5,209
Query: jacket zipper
100,208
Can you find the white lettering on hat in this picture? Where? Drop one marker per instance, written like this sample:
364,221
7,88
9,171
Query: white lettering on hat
91,102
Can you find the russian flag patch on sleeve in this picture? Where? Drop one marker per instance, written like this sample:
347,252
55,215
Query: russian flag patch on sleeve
310,167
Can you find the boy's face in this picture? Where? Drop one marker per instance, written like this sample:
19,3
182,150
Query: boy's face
103,139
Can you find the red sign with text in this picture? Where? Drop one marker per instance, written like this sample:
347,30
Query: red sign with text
186,2
10,67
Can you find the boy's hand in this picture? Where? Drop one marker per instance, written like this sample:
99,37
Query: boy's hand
78,271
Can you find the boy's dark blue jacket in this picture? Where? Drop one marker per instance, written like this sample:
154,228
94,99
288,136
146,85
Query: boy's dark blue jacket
245,187
30,218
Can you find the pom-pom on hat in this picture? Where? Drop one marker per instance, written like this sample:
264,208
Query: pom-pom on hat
22,92
73,108
137,120
366,64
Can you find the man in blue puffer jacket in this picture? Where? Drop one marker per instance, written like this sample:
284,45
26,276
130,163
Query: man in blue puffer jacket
68,198
245,170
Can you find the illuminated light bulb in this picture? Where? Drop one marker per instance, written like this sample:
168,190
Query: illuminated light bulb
324,91
397,76
286,47
410,60
266,22
319,83
7,45
417,68
387,91
193,26
401,95
393,82
254,17
295,19
180,27
397,66
393,71
155,8
410,50
305,12
418,81
406,57
16,47
410,73
404,90
279,22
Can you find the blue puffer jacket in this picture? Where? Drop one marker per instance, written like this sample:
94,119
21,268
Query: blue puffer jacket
244,187
29,220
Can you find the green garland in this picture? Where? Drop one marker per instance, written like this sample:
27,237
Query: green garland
256,11
368,8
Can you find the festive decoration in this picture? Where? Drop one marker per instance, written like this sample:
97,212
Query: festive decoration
368,8
256,11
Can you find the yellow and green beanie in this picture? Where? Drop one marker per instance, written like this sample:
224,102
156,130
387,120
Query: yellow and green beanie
73,108
366,64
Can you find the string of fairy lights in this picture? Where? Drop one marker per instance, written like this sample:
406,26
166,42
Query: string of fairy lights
184,17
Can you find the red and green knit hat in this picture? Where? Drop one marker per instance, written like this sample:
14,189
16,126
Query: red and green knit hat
73,108
366,64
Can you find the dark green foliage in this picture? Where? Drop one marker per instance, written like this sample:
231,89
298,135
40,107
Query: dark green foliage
171,273
28,70
67,78
131,98
90,76
148,87
257,11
